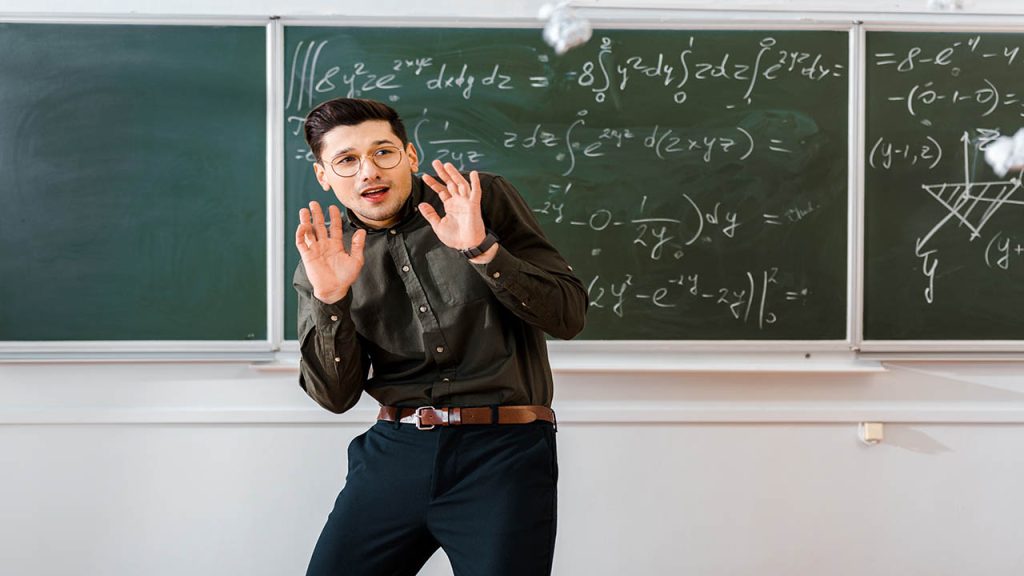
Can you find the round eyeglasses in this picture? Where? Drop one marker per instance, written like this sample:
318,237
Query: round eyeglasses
348,165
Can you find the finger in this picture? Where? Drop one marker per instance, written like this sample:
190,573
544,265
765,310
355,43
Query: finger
358,243
454,181
318,220
475,191
457,181
305,236
302,233
335,213
437,187
430,215
440,171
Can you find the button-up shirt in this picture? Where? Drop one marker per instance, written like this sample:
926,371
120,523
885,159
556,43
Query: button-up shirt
424,326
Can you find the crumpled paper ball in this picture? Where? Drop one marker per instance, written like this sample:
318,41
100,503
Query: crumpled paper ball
1006,153
564,29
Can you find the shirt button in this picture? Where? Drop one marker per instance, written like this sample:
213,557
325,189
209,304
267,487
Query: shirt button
446,380
423,308
392,231
334,318
439,349
524,304
337,359
405,268
496,275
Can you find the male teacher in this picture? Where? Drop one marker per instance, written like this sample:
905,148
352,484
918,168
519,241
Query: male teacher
437,308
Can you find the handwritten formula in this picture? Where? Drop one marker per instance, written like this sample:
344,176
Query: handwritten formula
938,218
695,180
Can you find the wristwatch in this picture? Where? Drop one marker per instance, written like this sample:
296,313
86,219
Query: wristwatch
489,241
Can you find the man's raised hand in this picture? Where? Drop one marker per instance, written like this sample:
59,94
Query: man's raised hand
462,225
330,269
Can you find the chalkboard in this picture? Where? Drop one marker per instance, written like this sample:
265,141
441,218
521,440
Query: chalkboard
944,236
132,182
696,180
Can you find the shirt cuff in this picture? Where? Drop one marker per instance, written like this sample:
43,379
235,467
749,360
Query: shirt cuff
502,272
328,317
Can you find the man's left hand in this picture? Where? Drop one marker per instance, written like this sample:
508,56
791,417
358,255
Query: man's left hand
462,225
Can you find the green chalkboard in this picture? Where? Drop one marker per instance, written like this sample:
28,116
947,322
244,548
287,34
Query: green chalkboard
132,182
944,236
696,180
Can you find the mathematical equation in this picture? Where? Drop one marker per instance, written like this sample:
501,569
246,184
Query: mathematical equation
579,141
724,144
681,224
653,231
670,236
754,301
772,125
674,72
612,69
945,98
981,96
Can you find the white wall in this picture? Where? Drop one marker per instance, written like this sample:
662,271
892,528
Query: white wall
207,469
218,469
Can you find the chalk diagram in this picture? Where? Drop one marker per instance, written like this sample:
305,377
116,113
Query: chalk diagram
971,205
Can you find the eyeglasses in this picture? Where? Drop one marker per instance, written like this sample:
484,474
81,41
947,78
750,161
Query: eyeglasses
348,165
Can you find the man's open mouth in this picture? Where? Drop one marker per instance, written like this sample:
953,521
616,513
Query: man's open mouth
374,193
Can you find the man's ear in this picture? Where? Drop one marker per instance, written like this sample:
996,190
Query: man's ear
414,160
321,176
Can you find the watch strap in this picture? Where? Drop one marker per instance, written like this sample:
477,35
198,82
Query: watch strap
484,246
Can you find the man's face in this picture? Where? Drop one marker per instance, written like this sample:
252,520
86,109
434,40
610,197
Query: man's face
375,195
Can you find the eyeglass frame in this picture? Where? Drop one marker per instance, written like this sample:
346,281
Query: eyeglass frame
359,166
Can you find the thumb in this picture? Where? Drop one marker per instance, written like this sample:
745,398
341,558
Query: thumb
358,243
429,214
300,238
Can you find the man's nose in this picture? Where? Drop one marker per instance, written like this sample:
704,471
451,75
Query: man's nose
369,170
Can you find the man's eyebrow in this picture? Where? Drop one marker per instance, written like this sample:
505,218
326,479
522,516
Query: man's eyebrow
350,148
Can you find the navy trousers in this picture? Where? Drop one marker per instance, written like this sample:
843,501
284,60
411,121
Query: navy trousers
484,494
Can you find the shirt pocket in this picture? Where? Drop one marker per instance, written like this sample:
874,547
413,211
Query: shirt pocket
454,277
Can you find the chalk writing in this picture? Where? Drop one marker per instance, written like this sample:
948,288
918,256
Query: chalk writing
679,174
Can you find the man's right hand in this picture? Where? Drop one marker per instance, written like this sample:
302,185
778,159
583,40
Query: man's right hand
330,269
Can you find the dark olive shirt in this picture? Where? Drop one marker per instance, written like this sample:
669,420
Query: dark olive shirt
424,326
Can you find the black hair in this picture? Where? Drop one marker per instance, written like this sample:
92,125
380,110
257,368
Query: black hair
348,112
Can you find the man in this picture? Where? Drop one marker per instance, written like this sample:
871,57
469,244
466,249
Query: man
437,310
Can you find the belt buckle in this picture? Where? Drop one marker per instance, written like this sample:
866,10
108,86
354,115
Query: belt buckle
418,416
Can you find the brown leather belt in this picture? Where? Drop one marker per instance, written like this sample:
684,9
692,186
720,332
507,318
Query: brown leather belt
427,417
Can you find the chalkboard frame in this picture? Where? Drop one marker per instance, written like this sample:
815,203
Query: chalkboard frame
938,349
103,351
